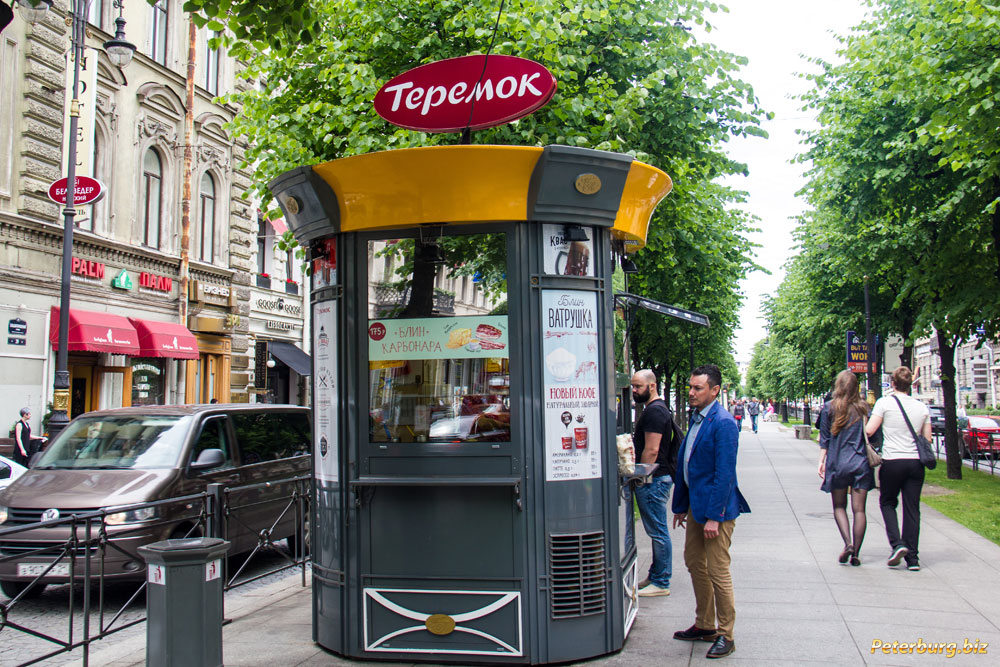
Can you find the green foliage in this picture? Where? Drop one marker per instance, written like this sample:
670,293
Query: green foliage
904,180
631,79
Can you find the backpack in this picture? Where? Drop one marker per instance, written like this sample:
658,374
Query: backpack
677,437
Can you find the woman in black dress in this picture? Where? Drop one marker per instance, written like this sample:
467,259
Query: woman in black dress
843,463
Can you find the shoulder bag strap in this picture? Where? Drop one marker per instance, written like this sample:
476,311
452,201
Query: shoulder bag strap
905,418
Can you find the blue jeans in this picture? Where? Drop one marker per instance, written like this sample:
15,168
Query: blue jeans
753,418
652,501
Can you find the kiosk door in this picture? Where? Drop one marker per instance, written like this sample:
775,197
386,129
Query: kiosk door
440,469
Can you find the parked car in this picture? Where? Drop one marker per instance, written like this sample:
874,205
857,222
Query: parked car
137,455
982,437
9,471
937,419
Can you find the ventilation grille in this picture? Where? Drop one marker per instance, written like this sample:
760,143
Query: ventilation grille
576,574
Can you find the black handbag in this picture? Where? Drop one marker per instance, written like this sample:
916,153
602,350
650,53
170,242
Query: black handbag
924,447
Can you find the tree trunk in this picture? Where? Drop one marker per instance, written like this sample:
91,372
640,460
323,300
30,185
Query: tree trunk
946,350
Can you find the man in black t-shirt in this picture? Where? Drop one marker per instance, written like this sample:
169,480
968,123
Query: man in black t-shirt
655,443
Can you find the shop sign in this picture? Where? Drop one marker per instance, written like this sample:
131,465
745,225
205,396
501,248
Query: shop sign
122,281
88,190
17,326
154,282
279,305
87,268
572,394
466,337
472,91
202,292
280,326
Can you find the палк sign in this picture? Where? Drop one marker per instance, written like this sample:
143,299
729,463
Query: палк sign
472,91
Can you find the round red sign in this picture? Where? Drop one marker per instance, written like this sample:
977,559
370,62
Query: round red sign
88,191
471,91
376,331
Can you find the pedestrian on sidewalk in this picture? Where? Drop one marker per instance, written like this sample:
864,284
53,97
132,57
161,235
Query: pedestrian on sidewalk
654,442
753,409
901,472
706,502
843,462
24,445
769,417
738,412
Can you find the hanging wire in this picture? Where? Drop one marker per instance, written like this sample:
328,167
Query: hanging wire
467,132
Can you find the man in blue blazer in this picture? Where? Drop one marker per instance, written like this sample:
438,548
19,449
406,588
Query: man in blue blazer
706,502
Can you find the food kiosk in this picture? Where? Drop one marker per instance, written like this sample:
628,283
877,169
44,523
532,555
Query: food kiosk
468,503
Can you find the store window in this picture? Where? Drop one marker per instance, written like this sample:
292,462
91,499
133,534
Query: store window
152,179
438,371
206,236
149,381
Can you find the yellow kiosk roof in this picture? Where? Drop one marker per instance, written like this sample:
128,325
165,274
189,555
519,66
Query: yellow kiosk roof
466,184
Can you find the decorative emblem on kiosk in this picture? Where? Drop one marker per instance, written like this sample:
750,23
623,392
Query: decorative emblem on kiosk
292,205
472,91
440,624
588,184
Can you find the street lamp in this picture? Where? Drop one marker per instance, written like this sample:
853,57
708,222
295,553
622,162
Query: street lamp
120,52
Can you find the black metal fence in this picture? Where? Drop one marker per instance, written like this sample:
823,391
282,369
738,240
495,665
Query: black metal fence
90,541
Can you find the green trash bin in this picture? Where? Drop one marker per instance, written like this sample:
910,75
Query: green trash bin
184,602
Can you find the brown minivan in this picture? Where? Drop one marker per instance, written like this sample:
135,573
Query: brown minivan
127,456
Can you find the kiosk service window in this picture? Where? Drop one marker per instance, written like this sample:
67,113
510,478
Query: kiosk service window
438,349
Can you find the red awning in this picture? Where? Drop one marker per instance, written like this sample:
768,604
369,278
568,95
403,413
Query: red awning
95,332
164,339
279,226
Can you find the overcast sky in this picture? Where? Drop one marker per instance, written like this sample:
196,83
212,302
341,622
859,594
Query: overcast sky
774,34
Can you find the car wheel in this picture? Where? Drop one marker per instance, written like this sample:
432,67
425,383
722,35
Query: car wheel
14,588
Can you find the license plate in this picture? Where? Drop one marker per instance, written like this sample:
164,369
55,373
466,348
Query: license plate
35,569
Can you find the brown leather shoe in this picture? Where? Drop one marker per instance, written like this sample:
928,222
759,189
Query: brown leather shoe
694,633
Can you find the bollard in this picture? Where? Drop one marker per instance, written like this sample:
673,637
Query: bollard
184,602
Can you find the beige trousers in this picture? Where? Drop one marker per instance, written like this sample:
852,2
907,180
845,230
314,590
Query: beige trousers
708,562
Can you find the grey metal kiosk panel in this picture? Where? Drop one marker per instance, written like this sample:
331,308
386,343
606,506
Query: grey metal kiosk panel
493,536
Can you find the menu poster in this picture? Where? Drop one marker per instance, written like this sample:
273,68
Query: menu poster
466,337
325,418
567,258
570,384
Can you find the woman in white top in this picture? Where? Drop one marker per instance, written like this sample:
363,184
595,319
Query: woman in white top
901,471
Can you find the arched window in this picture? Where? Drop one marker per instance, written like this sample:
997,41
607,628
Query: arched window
152,179
206,237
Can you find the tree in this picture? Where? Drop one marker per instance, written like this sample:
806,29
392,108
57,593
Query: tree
904,175
631,79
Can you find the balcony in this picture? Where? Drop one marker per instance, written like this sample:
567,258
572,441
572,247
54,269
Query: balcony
390,298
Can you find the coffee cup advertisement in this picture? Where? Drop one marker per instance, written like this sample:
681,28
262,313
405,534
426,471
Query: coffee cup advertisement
571,388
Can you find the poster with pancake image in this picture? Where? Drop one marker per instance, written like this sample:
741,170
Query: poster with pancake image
464,337
570,385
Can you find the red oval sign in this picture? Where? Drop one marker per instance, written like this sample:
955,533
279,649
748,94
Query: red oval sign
88,190
471,91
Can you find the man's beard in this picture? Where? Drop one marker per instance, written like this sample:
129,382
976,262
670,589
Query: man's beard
640,398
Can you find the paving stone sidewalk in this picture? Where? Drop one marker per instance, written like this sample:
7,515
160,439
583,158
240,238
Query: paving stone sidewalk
795,604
